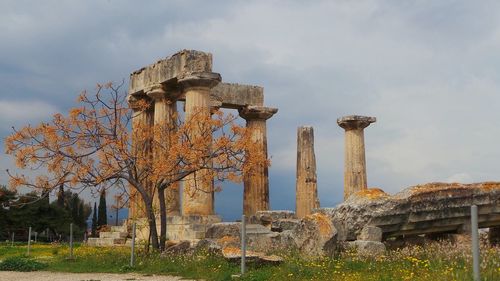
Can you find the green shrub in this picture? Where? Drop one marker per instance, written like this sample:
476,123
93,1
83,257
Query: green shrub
21,264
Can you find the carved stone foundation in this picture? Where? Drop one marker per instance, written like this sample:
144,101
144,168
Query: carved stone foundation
191,228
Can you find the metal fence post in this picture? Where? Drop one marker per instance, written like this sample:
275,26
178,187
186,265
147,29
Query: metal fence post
71,240
243,244
132,248
475,242
29,240
12,243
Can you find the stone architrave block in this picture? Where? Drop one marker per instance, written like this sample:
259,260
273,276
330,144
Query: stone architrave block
371,233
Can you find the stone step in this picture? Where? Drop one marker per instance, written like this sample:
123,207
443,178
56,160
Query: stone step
113,234
119,228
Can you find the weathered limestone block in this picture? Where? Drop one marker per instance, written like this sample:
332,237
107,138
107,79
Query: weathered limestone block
274,215
166,71
422,209
494,235
181,248
222,229
355,160
234,254
209,245
284,224
306,182
314,236
370,233
367,248
237,96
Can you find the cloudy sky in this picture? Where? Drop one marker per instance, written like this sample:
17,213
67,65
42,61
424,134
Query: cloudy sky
428,70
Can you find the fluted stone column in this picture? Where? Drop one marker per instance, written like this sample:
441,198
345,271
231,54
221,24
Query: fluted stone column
306,185
198,192
355,161
141,118
256,184
165,115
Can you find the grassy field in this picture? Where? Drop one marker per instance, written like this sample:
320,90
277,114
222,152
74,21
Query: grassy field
439,261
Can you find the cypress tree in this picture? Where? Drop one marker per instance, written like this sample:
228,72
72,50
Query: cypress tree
102,218
60,196
94,221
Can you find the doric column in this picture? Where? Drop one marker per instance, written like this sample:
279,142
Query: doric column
142,118
306,186
198,191
256,184
355,161
165,116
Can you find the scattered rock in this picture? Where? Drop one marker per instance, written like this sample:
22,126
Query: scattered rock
428,208
181,248
267,217
209,245
234,254
284,224
370,233
314,235
222,229
367,248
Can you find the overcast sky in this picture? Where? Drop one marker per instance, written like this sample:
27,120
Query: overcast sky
428,70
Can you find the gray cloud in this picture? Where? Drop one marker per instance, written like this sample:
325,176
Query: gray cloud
429,71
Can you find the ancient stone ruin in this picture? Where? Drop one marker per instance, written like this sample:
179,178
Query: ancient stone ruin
187,77
365,219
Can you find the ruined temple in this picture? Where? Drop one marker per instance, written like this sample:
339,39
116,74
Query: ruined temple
364,220
187,77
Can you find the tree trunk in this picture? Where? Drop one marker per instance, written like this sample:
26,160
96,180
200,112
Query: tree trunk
152,224
163,218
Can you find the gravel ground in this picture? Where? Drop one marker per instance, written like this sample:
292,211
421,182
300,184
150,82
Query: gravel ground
61,276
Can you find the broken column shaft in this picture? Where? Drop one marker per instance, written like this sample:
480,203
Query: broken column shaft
256,183
198,189
306,185
355,161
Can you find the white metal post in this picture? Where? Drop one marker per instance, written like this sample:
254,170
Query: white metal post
71,240
243,244
475,242
132,248
29,240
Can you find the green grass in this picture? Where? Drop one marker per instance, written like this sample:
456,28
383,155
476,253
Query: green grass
440,262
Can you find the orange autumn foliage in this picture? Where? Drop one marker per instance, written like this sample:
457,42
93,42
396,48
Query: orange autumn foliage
93,146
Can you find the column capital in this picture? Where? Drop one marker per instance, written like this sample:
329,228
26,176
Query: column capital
160,91
353,122
139,103
257,112
199,80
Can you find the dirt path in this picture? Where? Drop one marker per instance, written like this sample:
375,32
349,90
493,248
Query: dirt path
61,276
